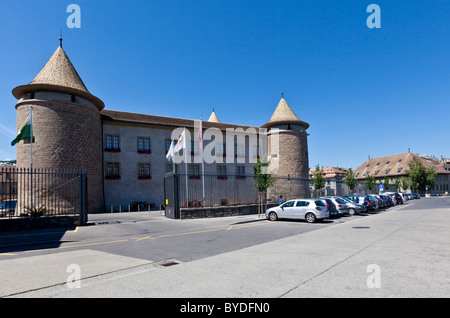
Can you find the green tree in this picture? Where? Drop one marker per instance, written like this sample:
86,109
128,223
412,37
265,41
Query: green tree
370,182
350,180
421,176
405,183
263,180
397,184
318,179
387,183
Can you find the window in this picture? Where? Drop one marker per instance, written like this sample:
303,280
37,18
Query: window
222,172
194,171
144,171
112,143
238,150
400,160
288,204
112,170
387,171
143,145
399,169
302,203
240,172
221,150
168,143
376,172
378,164
356,175
169,167
387,162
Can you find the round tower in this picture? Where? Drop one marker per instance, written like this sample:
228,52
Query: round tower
66,124
288,153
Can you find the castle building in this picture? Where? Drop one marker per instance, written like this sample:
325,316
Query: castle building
124,154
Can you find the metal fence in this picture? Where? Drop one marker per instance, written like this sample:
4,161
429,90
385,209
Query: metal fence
215,190
26,193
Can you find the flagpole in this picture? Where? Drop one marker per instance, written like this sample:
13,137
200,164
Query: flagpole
203,165
31,156
186,168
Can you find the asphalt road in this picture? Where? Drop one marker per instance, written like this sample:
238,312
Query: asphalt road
152,237
147,255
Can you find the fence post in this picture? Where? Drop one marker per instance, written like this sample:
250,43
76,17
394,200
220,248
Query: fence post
83,199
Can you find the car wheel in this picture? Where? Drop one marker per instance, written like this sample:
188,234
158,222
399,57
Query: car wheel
310,218
352,211
273,216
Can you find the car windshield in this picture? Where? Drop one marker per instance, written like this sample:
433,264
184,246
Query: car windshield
340,201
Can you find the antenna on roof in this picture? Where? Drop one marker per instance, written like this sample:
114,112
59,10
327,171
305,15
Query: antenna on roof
282,94
60,38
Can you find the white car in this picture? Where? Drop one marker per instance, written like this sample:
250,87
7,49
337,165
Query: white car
311,210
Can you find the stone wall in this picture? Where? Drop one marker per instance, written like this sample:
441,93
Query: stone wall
67,136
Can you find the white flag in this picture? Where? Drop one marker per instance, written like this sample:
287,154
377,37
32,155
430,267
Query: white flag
169,155
181,144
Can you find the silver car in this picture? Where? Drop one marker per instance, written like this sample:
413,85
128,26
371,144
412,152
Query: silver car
341,205
311,210
353,207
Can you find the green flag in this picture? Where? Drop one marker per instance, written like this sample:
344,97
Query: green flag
24,133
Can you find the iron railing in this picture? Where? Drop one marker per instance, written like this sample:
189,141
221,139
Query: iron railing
32,193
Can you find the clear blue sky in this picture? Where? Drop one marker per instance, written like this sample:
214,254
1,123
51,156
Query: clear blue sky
364,91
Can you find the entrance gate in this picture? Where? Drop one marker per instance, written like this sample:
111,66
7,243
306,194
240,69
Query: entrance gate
172,207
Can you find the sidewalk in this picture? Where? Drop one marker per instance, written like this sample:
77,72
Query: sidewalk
409,246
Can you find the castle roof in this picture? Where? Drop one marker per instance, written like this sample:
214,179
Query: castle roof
284,115
127,118
214,118
59,75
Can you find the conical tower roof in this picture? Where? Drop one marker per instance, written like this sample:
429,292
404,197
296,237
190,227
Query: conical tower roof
284,115
59,75
214,118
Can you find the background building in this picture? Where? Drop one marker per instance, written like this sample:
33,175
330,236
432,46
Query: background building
395,167
334,181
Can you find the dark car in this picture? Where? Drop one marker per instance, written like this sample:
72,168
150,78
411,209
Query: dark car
367,201
331,207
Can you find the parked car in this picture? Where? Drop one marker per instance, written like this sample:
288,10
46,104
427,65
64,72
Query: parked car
404,197
352,197
393,197
367,202
353,207
311,210
387,199
340,204
331,207
416,195
8,207
375,201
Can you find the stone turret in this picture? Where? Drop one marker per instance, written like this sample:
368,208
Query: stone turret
288,157
66,124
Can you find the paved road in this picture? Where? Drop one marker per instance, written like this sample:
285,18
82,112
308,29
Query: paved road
152,237
403,252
